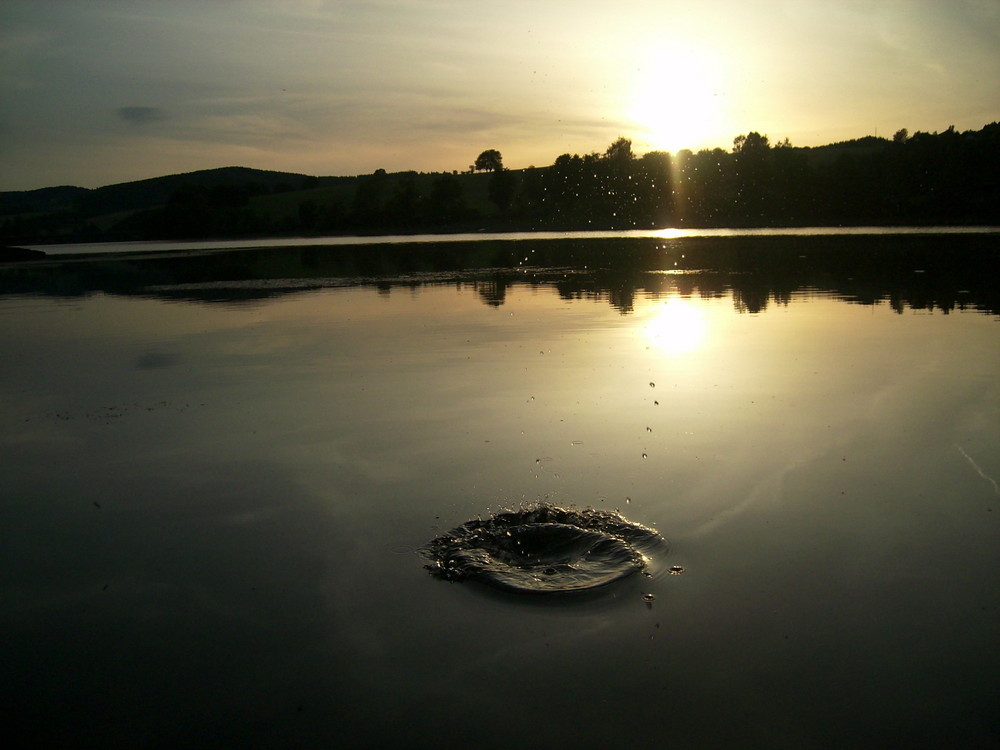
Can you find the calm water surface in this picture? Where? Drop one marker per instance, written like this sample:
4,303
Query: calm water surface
217,469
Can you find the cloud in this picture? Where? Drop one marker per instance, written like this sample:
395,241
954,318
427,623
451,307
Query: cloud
155,360
141,115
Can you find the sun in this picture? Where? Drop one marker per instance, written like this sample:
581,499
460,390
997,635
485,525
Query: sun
676,99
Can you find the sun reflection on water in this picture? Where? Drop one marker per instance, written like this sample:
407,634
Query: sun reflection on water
677,327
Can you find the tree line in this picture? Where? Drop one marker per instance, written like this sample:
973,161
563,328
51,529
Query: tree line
945,178
925,178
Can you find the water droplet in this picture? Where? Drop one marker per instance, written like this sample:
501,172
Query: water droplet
649,597
676,570
628,499
656,403
644,455
652,384
648,428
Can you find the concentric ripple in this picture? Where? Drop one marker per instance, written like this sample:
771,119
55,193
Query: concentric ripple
543,549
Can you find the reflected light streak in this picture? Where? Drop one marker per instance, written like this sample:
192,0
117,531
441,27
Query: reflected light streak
678,327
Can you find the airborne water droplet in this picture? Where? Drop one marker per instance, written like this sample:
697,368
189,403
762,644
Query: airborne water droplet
652,384
644,455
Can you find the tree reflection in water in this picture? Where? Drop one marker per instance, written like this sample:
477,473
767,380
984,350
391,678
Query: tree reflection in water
917,271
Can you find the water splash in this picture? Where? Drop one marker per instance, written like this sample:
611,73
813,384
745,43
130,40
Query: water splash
544,549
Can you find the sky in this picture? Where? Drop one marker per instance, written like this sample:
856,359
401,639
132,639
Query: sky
100,92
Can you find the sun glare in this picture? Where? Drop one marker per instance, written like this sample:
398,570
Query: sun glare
678,327
676,99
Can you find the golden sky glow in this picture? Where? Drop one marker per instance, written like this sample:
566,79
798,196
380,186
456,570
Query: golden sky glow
93,93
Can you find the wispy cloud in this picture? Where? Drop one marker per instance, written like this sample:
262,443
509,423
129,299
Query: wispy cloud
141,115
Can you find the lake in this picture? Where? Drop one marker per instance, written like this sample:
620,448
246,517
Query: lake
219,465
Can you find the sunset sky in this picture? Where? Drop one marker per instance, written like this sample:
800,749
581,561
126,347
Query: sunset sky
94,93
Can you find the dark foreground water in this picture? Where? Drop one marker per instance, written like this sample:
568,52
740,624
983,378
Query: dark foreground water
217,471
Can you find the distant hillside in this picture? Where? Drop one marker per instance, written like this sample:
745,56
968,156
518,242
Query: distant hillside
131,196
68,213
868,146
238,202
923,178
39,201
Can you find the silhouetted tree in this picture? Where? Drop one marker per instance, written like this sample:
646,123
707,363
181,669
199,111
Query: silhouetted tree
446,203
750,144
530,198
653,190
705,193
616,203
401,207
489,161
503,184
366,207
752,200
620,151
